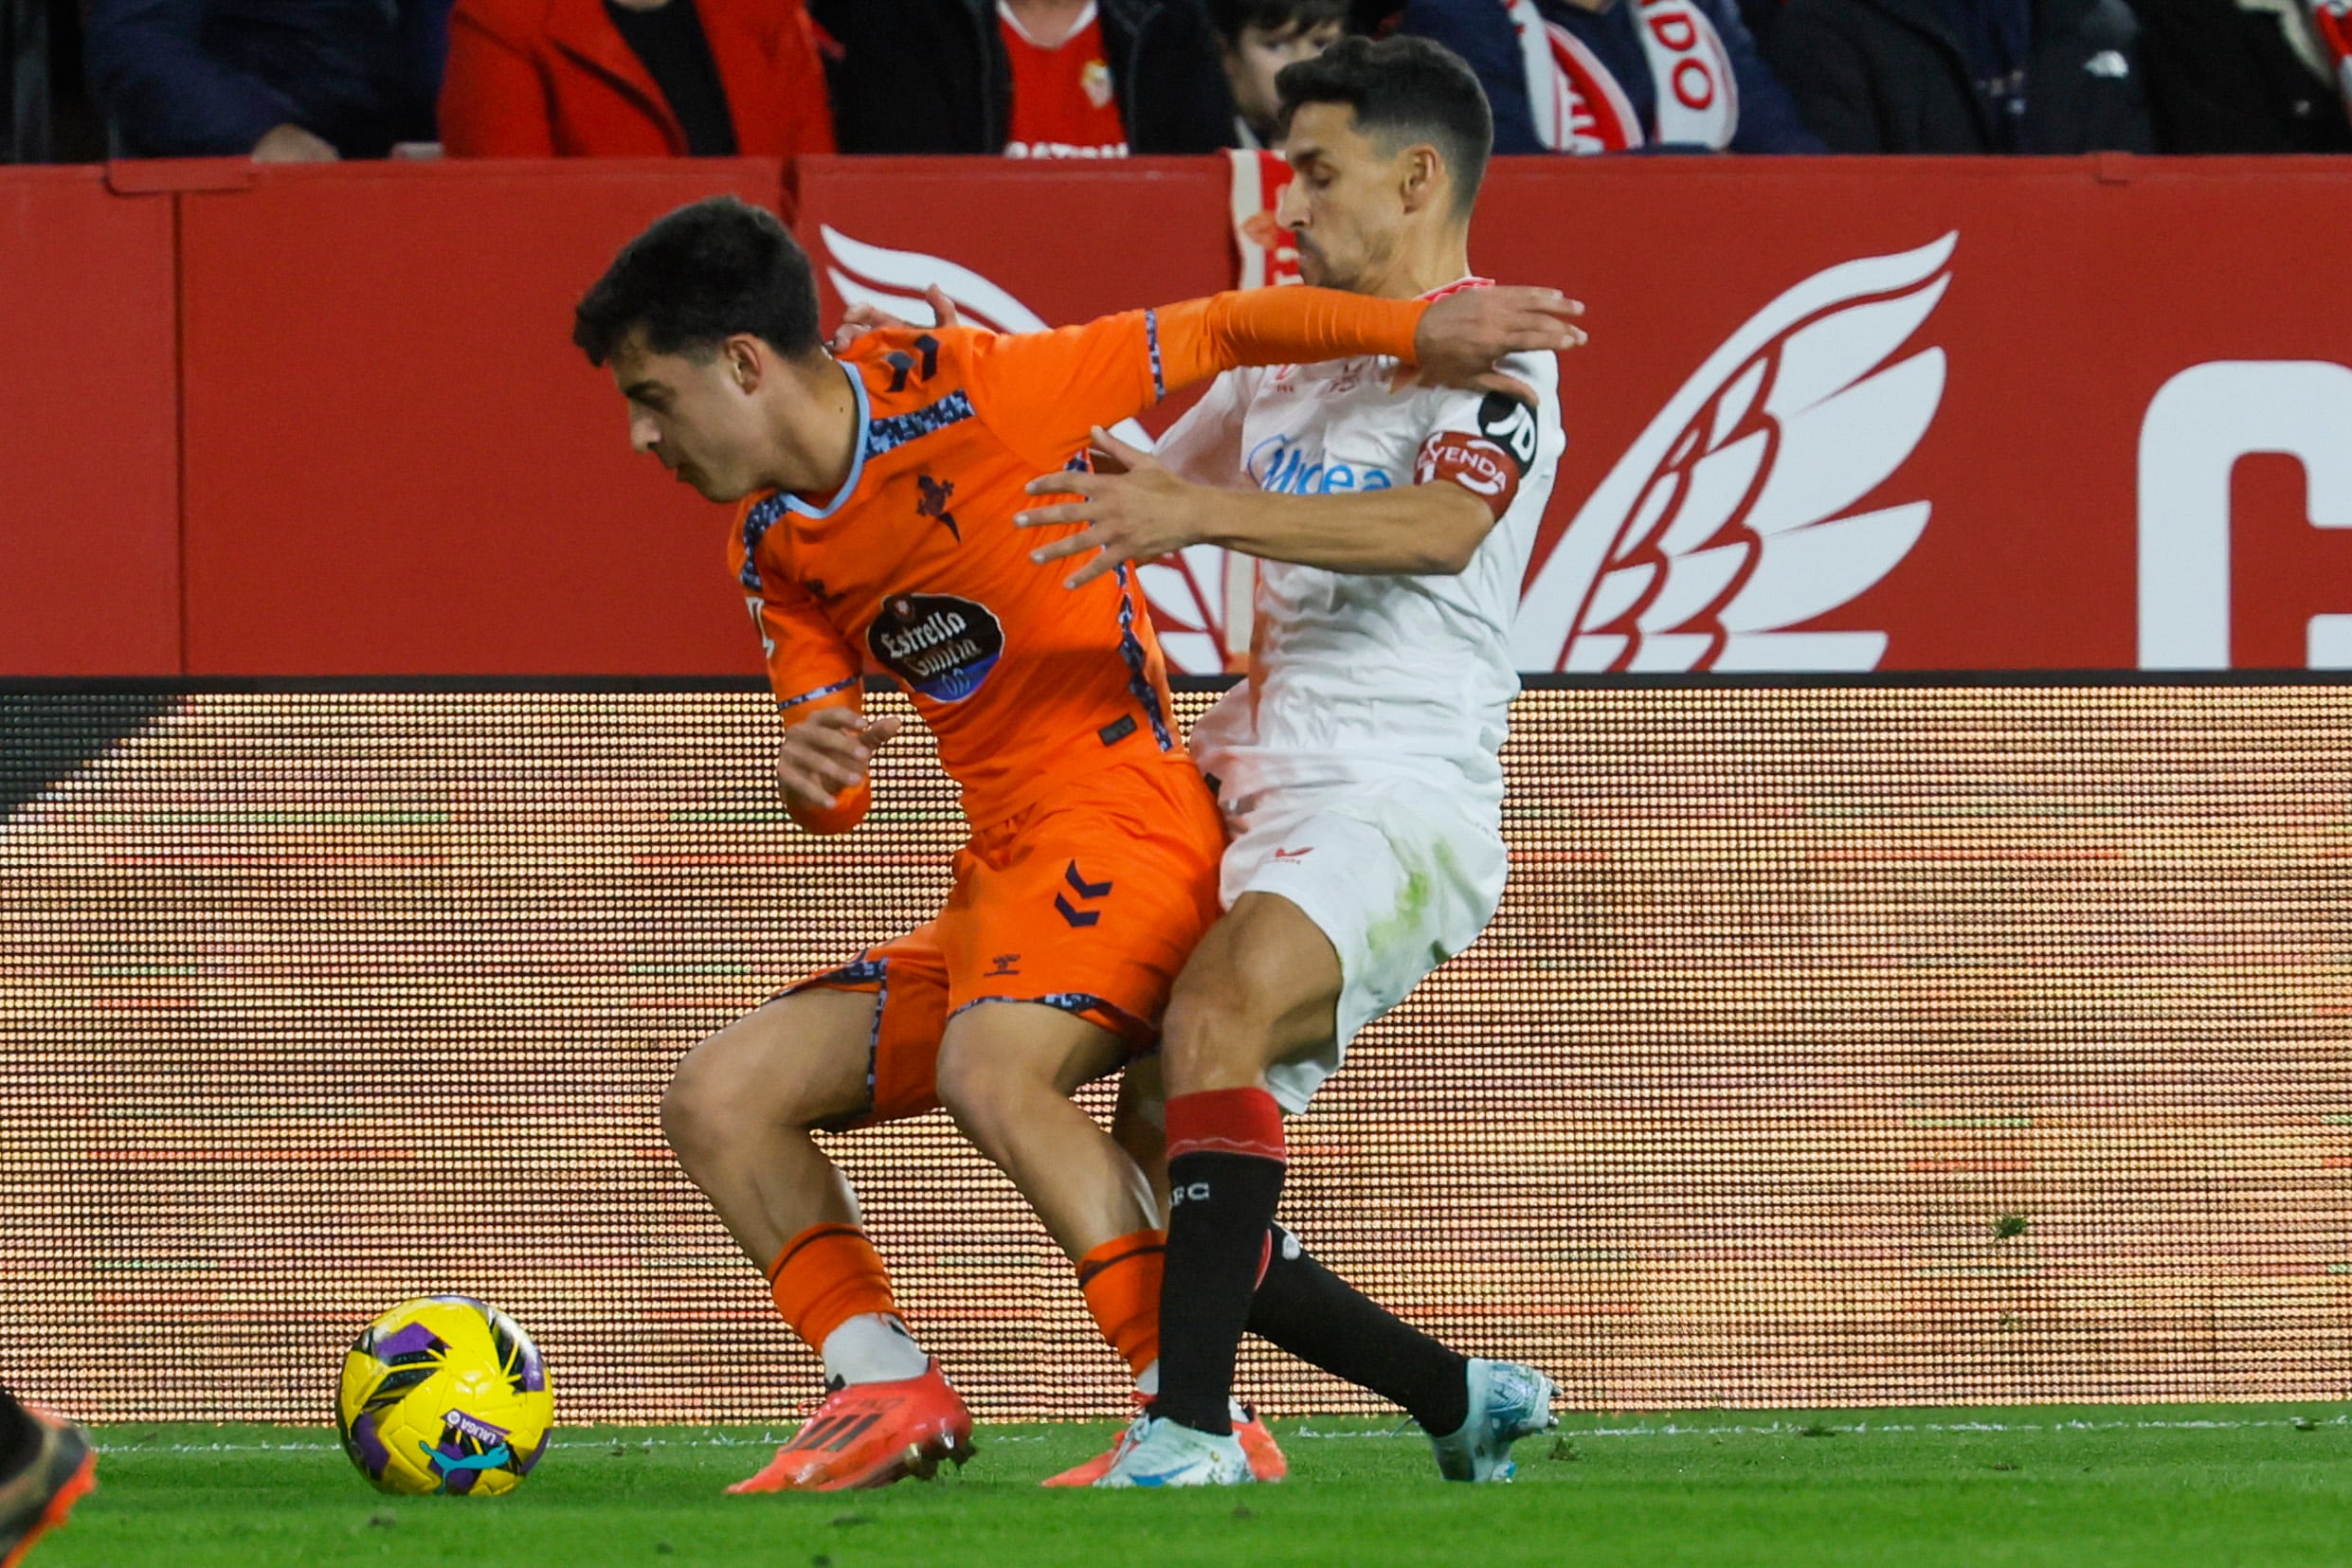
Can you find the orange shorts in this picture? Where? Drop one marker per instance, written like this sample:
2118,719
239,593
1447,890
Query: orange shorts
1088,901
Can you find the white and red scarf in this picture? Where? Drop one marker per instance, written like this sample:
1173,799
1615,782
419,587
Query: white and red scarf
1268,254
1579,107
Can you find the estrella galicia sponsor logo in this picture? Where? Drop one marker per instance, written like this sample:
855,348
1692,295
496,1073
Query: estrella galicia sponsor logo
1281,465
943,647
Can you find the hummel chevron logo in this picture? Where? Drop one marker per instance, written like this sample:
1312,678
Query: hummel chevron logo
1294,854
1087,892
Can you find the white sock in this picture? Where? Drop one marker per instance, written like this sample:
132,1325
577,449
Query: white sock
1147,1380
873,1347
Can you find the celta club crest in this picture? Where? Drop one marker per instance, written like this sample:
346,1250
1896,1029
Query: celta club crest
1725,524
1729,521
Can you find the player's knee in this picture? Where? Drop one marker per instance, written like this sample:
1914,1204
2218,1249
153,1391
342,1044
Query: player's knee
1223,1025
717,1096
984,1091
696,1116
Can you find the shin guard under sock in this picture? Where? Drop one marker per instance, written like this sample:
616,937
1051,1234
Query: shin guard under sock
1225,1172
1312,1313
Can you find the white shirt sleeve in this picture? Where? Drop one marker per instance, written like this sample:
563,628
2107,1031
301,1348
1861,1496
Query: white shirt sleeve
1205,446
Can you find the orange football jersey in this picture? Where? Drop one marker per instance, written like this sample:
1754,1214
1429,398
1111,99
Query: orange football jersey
914,568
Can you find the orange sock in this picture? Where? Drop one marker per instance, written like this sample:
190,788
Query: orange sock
825,1276
1121,1281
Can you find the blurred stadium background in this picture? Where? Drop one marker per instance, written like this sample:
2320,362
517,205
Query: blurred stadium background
1925,978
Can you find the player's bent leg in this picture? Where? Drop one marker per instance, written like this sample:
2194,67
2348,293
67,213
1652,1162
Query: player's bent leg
1006,1072
1472,1411
1262,987
1139,1125
739,1112
741,1106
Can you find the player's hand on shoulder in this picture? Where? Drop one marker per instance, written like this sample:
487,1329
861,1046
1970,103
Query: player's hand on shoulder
1133,508
827,753
861,319
1463,336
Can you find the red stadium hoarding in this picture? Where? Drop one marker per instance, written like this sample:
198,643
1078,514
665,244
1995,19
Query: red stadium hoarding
89,445
1915,414
1835,415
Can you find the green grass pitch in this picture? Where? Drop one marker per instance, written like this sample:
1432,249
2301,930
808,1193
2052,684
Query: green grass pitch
2153,1485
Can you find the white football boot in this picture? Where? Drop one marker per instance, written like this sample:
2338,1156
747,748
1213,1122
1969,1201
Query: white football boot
1164,1454
1507,1402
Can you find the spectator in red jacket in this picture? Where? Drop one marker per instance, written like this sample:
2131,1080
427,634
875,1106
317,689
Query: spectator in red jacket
536,78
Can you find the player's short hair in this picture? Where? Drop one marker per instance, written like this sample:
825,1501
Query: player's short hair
698,276
1403,89
1276,16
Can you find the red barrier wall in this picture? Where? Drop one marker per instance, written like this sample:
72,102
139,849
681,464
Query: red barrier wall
396,460
328,421
1979,500
89,429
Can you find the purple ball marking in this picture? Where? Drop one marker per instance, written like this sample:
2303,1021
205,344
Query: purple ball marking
368,1444
535,1371
414,1338
532,1457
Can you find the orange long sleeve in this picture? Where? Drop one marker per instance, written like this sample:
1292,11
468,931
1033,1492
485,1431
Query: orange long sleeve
1042,391
1289,326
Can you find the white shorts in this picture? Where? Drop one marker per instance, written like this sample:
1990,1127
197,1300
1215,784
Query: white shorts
1401,877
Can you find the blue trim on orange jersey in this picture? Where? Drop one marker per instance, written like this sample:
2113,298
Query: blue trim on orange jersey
1079,1003
756,523
1138,678
784,703
1151,337
856,461
888,435
771,512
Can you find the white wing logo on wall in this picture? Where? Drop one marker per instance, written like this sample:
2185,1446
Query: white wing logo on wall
1725,522
1186,592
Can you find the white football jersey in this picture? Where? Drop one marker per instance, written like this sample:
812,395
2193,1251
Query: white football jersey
1353,678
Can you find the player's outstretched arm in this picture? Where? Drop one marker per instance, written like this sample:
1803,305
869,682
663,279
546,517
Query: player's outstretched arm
1042,391
1455,341
821,770
1145,513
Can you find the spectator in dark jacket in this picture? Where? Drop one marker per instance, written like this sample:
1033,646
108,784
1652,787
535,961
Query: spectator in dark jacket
1966,76
1613,76
937,76
2240,75
295,81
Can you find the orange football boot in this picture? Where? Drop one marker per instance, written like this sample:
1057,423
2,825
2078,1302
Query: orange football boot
37,1499
1265,1455
871,1435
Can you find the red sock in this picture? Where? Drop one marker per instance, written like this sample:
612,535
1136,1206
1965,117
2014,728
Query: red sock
1225,1159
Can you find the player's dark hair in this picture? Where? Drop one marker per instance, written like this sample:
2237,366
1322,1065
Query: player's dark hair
1403,90
1276,16
698,276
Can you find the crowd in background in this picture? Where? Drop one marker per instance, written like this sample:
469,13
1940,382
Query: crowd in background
314,80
